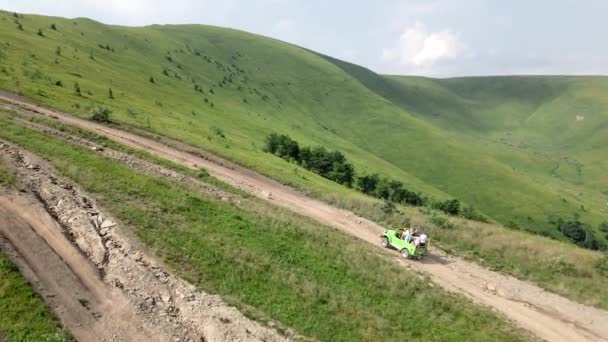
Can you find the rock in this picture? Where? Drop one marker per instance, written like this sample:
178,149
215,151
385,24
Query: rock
359,221
107,224
490,287
165,296
97,149
104,231
150,301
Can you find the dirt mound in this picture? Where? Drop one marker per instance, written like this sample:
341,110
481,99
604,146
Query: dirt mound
150,297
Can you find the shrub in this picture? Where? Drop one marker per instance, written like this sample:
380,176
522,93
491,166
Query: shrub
110,93
19,27
58,51
59,83
152,80
472,214
603,227
451,207
367,184
101,114
579,233
77,89
40,33
218,131
53,27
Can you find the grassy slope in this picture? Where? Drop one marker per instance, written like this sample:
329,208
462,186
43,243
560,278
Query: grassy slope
23,315
557,266
318,281
529,124
279,87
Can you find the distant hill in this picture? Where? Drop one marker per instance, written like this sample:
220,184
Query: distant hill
519,149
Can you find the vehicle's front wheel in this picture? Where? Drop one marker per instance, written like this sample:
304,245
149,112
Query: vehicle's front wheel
405,253
384,242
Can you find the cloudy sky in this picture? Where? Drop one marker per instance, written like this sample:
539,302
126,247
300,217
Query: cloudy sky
433,38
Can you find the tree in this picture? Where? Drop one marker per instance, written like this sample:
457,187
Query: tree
342,173
579,233
367,183
53,27
19,27
101,114
271,143
40,33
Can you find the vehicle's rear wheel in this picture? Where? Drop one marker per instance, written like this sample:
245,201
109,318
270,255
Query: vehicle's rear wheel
405,253
384,242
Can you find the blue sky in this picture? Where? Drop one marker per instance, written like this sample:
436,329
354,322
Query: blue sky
433,38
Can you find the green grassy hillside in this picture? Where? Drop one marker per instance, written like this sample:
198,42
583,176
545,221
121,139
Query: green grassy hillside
225,90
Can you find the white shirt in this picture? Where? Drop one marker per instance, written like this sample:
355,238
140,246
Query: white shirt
422,238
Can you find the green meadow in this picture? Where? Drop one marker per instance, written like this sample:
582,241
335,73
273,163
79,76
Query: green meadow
512,147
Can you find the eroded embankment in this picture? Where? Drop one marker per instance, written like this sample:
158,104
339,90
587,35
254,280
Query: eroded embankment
96,276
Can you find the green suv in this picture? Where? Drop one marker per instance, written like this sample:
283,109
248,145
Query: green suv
393,238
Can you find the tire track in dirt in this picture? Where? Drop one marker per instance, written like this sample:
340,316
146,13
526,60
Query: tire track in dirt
544,314
89,309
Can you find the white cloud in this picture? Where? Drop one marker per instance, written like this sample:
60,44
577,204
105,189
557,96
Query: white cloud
420,50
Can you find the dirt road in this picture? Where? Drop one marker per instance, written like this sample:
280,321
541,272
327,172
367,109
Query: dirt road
90,310
544,314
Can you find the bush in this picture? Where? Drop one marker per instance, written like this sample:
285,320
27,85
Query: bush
77,89
603,227
40,33
53,27
451,207
367,184
471,214
110,93
101,114
579,233
152,80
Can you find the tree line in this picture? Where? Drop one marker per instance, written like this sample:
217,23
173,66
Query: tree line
334,166
328,164
581,233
